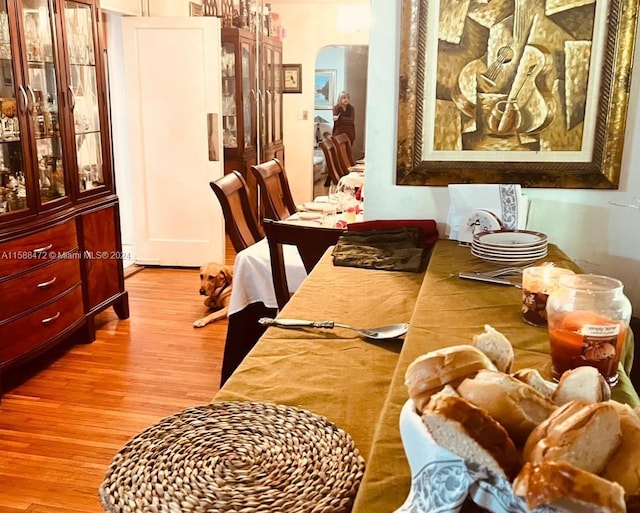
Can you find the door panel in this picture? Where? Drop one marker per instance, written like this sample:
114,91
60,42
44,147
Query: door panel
172,68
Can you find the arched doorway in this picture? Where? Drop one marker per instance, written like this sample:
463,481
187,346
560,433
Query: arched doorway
338,68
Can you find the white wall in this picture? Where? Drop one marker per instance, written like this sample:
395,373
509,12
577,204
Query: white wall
169,7
130,7
604,239
310,26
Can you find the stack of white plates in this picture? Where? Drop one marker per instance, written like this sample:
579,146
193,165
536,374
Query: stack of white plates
506,246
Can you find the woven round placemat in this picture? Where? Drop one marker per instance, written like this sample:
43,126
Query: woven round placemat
242,457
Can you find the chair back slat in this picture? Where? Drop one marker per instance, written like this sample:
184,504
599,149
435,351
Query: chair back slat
343,148
311,241
334,169
274,189
240,222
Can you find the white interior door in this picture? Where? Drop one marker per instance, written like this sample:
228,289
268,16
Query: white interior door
172,75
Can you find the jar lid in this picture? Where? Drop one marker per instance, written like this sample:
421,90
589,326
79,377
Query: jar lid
592,283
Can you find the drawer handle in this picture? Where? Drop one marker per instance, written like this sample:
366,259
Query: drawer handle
46,284
42,250
49,320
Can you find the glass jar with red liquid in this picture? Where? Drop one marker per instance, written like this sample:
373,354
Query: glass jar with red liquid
588,317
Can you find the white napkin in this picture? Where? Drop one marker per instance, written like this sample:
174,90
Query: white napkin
353,179
431,463
506,201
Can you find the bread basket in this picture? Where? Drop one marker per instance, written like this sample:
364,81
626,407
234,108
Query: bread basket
441,480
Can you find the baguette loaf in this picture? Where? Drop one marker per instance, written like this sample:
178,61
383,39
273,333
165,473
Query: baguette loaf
430,372
585,436
472,434
582,383
447,390
624,466
516,405
558,416
566,488
496,346
532,377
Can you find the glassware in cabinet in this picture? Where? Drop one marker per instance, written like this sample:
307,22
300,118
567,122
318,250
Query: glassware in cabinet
240,95
271,105
13,178
268,100
229,85
277,95
41,100
78,19
248,96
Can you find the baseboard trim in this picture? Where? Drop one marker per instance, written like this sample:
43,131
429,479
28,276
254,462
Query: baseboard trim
130,270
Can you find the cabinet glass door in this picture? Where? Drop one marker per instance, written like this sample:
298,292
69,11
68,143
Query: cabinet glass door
268,88
13,179
81,51
229,85
277,95
42,99
248,96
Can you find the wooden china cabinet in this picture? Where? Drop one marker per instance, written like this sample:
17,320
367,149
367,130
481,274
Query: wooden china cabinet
60,248
251,102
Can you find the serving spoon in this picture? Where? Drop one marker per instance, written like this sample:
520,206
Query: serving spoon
379,333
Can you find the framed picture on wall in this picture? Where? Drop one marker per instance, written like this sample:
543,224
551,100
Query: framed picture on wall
292,78
520,94
325,88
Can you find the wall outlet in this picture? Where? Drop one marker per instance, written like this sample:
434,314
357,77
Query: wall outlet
304,115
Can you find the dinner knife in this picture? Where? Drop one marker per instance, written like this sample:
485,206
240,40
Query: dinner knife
488,279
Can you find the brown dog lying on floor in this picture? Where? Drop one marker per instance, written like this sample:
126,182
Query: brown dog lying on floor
215,283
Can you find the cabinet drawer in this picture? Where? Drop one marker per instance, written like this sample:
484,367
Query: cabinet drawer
28,291
26,252
31,331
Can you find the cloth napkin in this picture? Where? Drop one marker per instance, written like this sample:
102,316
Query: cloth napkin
428,228
396,249
505,200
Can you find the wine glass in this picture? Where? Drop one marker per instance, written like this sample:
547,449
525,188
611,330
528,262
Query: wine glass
348,201
333,196
329,216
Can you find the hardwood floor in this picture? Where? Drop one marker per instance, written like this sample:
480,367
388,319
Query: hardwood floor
64,417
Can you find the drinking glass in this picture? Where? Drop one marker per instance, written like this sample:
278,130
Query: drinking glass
334,195
329,215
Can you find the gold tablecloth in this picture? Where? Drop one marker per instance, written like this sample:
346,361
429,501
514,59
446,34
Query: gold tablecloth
450,311
333,373
359,385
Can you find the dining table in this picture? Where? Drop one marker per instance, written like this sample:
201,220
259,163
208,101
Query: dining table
253,295
359,385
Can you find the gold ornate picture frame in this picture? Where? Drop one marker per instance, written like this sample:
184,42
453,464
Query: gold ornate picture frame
534,92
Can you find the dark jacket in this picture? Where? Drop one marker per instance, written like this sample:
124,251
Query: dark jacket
345,122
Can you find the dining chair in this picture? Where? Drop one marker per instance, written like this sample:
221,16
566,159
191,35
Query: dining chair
341,162
334,169
239,220
344,150
274,189
311,242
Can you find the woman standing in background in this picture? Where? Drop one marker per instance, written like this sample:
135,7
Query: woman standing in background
344,117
